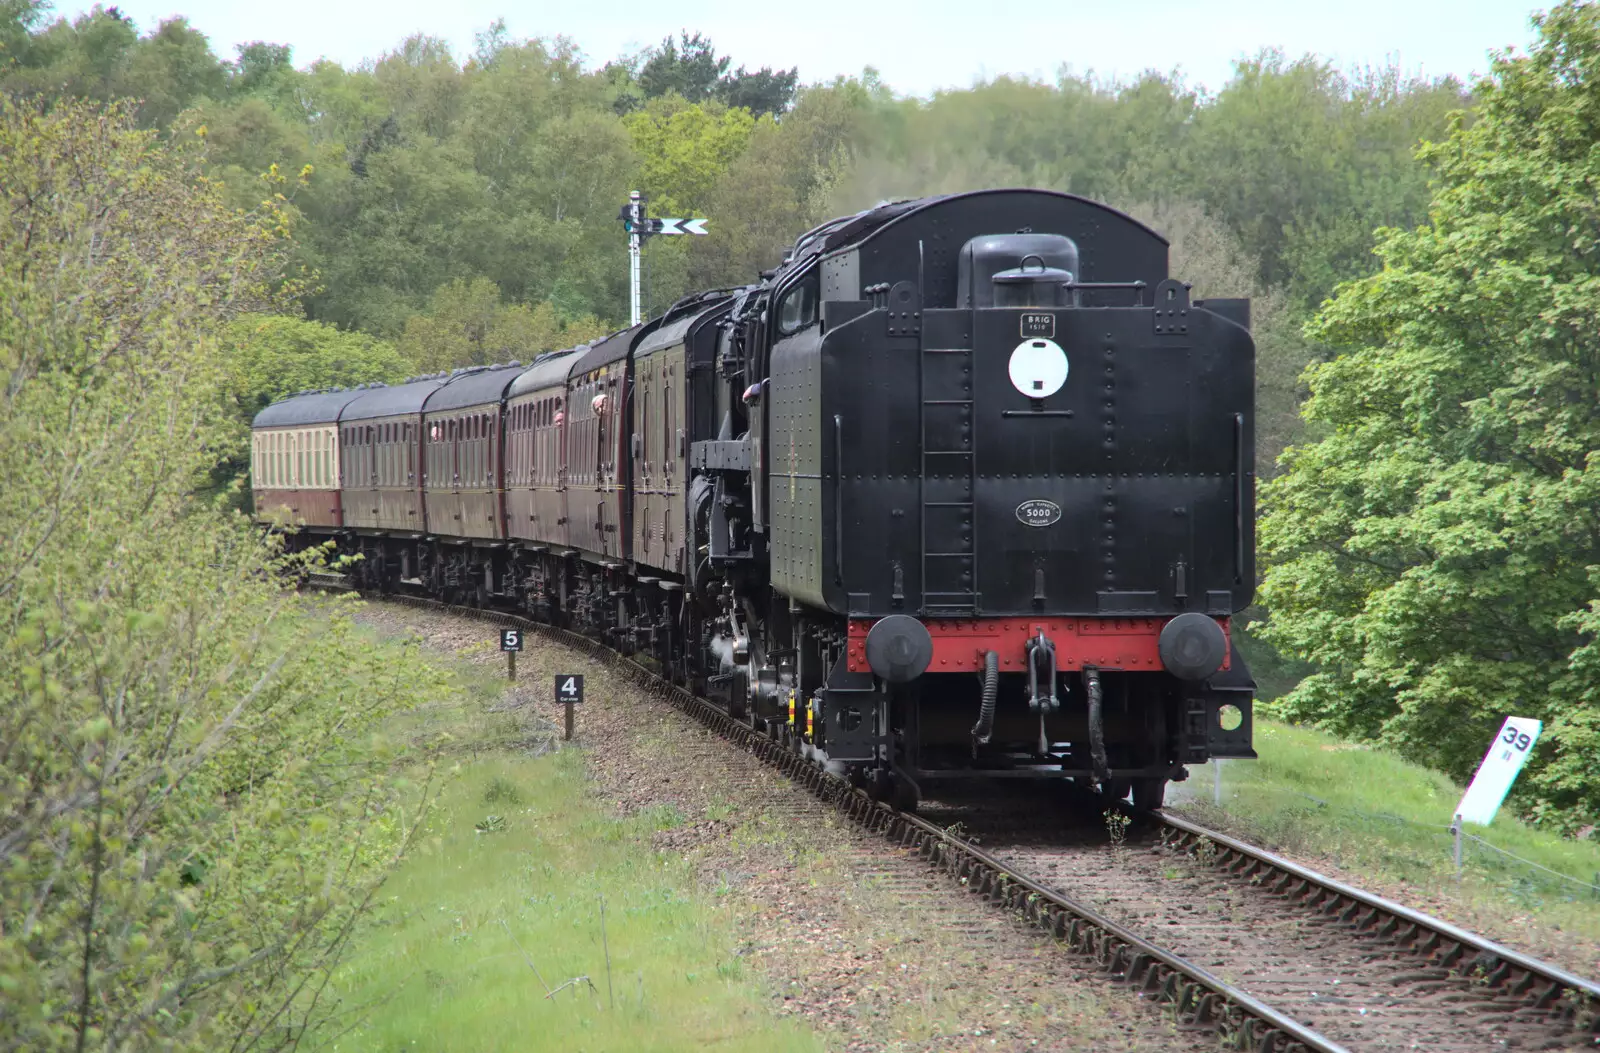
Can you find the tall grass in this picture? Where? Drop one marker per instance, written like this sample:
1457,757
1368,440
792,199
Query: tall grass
504,904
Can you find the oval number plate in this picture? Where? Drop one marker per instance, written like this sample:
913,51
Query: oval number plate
1039,512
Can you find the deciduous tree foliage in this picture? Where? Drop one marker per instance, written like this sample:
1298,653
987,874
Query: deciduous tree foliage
1437,554
691,69
267,357
468,325
195,798
509,164
684,149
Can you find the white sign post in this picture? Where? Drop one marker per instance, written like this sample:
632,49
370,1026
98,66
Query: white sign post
1498,771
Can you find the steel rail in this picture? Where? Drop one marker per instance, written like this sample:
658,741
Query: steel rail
1195,995
1540,984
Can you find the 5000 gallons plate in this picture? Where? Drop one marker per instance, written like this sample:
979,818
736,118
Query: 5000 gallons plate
1039,513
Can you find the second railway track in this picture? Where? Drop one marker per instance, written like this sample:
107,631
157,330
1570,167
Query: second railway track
1313,952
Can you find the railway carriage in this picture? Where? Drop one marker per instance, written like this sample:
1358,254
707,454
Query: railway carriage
463,448
380,439
294,455
662,418
461,428
597,449
963,489
535,479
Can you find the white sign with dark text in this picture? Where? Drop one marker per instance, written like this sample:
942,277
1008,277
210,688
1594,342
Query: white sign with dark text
1499,770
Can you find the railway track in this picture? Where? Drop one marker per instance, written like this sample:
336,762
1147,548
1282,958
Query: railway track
1447,988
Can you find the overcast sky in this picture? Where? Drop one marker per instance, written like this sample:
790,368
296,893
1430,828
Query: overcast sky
918,47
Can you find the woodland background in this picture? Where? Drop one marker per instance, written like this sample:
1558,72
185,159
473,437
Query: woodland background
197,797
460,209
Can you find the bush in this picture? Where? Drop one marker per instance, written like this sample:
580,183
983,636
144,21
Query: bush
194,807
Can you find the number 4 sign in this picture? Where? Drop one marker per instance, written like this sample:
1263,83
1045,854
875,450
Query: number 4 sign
1499,770
569,692
569,688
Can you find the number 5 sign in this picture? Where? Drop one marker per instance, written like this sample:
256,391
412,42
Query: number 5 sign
1499,770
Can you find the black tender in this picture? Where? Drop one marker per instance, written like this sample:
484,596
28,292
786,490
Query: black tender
902,459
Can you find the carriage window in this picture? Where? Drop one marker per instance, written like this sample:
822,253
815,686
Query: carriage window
798,308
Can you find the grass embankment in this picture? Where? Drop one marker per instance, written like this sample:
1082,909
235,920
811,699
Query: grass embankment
502,903
1380,817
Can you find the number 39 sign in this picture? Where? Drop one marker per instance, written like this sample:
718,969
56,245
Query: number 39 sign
1499,770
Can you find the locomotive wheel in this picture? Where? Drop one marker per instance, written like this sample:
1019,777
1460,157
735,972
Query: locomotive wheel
1149,794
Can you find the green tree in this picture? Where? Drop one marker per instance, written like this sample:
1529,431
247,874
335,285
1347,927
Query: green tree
779,186
468,325
690,68
766,91
268,357
1437,554
196,801
684,149
101,56
1303,161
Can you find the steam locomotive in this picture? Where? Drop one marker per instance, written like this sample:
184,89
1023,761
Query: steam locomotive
962,490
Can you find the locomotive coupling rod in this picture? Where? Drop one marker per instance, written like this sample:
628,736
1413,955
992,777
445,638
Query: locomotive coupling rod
1042,653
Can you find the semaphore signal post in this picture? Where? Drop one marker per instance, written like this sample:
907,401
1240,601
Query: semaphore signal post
639,227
